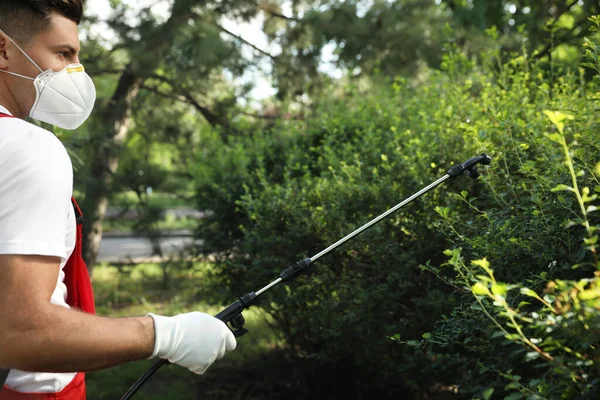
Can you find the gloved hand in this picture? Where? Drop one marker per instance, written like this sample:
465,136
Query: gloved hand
194,340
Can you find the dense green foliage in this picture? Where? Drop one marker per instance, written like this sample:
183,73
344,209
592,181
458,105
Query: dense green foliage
388,309
167,69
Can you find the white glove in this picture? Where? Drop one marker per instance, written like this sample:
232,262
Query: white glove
194,340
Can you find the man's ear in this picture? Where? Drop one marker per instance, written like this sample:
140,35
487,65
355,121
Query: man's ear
4,44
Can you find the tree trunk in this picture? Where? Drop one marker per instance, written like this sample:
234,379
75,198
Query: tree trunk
114,119
104,162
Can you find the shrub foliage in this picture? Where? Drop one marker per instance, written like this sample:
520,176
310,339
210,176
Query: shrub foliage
480,289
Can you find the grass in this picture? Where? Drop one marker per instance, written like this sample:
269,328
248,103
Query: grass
139,290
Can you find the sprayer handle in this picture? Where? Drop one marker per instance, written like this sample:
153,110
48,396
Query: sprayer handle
232,315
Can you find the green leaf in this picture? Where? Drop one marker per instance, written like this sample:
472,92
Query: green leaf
499,289
589,294
557,118
427,335
480,289
443,211
555,137
561,187
487,393
529,292
514,396
396,338
485,264
513,337
586,195
534,382
464,194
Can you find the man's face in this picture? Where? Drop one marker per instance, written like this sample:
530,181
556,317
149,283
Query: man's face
53,48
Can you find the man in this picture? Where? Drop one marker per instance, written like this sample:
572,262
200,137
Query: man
48,333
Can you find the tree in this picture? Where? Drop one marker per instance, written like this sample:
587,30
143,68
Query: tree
396,37
547,23
164,58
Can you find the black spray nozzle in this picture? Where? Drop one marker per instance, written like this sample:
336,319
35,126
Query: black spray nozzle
295,270
469,166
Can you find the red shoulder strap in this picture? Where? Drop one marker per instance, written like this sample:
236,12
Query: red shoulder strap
6,116
77,279
78,213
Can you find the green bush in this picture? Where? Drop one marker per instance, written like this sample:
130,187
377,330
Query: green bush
384,309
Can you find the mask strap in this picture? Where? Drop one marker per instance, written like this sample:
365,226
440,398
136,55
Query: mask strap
25,54
19,75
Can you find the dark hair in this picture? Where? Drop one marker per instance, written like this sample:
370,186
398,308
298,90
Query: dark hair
23,19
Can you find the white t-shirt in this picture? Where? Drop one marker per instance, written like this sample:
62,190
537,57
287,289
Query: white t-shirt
36,216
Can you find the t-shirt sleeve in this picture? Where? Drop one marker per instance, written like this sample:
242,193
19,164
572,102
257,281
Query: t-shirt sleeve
36,185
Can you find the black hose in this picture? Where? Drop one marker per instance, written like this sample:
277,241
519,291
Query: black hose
133,390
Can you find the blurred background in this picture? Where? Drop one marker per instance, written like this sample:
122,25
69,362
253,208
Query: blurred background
233,137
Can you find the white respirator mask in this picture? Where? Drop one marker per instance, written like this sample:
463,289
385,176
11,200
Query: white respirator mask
64,99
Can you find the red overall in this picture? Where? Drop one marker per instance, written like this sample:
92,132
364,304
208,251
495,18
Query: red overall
79,296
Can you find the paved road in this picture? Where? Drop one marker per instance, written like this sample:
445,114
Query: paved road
121,249
177,213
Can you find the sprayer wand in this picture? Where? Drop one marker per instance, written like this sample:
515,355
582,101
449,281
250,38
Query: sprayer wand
232,315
